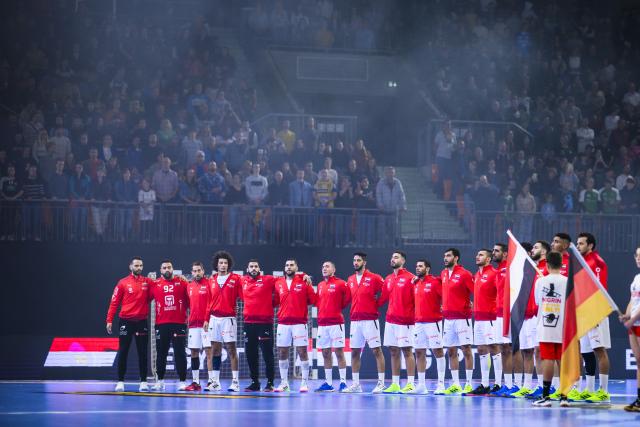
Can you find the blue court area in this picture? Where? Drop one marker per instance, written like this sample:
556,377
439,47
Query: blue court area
95,403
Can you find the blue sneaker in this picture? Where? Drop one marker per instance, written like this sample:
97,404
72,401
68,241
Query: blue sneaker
510,391
325,388
536,394
499,392
343,386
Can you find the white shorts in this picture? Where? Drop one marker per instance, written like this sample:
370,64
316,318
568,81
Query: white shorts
298,334
427,335
223,329
596,338
398,335
484,332
330,336
198,339
497,325
365,332
457,332
529,334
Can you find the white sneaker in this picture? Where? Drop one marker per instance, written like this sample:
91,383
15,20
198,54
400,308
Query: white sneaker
378,388
144,386
159,386
182,386
420,389
304,387
439,391
234,386
353,388
119,386
215,386
282,388
208,386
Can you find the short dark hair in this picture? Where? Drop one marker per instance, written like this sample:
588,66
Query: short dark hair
591,239
563,236
454,251
291,259
253,260
554,260
425,262
166,261
488,251
402,254
221,255
527,246
197,264
330,262
362,255
545,245
135,258
503,246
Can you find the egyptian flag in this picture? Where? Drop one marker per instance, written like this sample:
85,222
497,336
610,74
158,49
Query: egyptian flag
587,304
518,285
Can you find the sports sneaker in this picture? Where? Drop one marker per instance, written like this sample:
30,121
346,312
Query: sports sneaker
633,406
304,387
495,388
599,396
510,391
119,386
555,395
500,391
421,389
440,390
353,388
234,386
159,386
379,388
182,386
536,394
574,395
564,402
393,389
208,386
144,386
545,402
194,386
268,388
282,388
467,388
342,387
213,386
586,394
521,393
254,386
453,389
325,388
478,391
409,388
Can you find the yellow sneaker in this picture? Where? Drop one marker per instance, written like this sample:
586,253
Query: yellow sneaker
453,389
393,388
409,389
599,396
555,396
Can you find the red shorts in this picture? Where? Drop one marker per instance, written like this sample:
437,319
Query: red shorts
635,330
550,350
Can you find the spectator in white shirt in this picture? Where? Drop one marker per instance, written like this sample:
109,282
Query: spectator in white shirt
256,186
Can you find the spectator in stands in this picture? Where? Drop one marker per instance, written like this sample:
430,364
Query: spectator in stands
58,186
324,191
146,201
360,155
32,193
236,196
62,143
100,209
340,157
287,136
278,190
300,191
610,198
526,208
364,200
79,193
630,198
125,193
166,133
92,164
309,175
11,191
39,148
332,173
445,142
310,134
212,186
191,145
589,198
165,182
485,195
391,200
106,149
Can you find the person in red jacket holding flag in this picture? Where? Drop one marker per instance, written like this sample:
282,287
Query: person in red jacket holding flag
198,339
484,313
132,293
366,290
171,295
400,320
333,296
428,330
595,344
457,288
222,326
295,297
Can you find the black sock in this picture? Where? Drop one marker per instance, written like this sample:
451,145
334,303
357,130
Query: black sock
546,388
638,393
195,363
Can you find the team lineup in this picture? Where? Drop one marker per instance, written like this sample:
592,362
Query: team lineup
446,313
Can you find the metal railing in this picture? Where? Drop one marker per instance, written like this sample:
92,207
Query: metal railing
52,220
332,128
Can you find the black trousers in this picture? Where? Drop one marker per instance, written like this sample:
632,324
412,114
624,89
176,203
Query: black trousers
259,335
168,334
128,330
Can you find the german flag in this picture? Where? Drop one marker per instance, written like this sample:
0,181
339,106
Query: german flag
586,304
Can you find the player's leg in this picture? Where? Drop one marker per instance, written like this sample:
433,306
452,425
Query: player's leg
232,352
323,343
527,367
410,362
142,346
634,343
265,341
163,341
420,340
124,343
338,342
355,365
216,359
179,342
391,335
507,364
301,341
482,338
283,341
464,331
357,341
210,370
518,368
467,352
251,352
451,342
548,366
194,343
600,341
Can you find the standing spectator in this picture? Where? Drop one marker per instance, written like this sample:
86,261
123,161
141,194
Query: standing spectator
212,186
134,156
278,190
301,197
39,147
526,208
191,145
589,198
610,198
257,189
310,135
106,149
150,152
146,201
92,164
79,192
62,144
165,182
630,198
445,143
126,194
344,204
236,197
166,133
360,155
324,191
100,209
11,191
236,154
309,175
32,194
58,188
80,149
340,157
300,192
365,203
391,200
371,171
585,136
188,191
568,179
287,136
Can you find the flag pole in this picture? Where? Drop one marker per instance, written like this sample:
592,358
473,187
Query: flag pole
532,262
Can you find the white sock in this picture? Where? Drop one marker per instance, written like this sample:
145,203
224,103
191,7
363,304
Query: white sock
328,375
160,382
442,365
469,373
421,376
284,370
216,376
591,382
411,379
497,367
395,379
455,376
381,376
528,379
355,377
304,364
555,382
518,376
196,375
508,380
343,374
210,375
604,382
235,375
484,369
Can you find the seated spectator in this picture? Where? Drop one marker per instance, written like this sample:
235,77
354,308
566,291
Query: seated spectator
92,164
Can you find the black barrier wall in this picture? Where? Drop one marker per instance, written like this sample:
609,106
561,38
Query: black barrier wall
63,290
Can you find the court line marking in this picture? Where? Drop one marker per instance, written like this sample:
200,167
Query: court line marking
189,395
171,411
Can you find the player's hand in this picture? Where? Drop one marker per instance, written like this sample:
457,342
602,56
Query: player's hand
109,328
205,326
628,324
414,279
307,279
624,317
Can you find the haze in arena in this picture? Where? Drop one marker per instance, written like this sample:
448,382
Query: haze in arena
320,212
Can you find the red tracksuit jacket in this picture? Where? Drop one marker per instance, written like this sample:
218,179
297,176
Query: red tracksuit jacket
333,296
199,298
456,293
133,293
428,296
501,276
484,294
172,300
294,302
365,297
598,266
223,298
399,291
260,298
